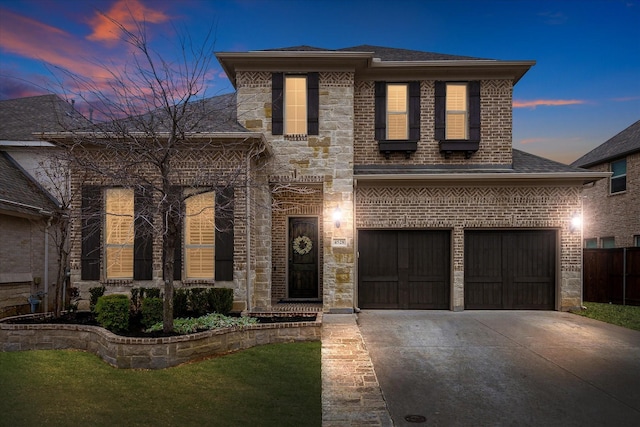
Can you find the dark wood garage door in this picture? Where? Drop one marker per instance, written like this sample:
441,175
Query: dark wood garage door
510,269
403,269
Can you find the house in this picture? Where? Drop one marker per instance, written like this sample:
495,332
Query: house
612,206
386,178
29,197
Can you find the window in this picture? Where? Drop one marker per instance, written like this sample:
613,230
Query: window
591,243
397,112
636,241
456,104
608,242
618,181
295,103
119,233
457,116
199,242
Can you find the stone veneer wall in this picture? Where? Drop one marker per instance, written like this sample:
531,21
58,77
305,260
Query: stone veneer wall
617,215
152,353
496,125
324,161
462,208
200,167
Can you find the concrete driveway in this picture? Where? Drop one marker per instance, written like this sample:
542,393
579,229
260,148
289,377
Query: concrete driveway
503,368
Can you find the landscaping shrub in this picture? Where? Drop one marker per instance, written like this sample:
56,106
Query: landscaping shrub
180,303
203,323
94,294
137,295
198,301
153,293
113,312
220,300
151,311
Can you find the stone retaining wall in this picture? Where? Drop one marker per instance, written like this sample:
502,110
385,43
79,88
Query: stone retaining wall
152,353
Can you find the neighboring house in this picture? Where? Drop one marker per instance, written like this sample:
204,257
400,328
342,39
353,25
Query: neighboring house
28,256
388,181
612,206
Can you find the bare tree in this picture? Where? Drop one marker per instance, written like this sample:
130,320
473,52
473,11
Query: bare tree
156,131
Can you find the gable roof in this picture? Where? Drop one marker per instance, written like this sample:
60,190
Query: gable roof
21,117
19,193
624,143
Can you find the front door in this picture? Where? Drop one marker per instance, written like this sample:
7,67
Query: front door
303,257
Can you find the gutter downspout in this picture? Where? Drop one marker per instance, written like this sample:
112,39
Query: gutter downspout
248,230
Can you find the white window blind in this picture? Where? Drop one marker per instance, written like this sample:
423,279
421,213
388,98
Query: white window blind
200,236
119,233
397,112
456,104
295,105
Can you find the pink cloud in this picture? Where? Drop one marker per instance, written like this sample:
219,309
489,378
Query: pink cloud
127,13
534,140
626,99
546,102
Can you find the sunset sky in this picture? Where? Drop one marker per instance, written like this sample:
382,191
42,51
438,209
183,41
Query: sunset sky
584,89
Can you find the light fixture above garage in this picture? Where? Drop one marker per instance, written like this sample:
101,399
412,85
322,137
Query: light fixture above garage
576,222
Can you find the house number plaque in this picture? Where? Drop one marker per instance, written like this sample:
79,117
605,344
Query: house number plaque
339,242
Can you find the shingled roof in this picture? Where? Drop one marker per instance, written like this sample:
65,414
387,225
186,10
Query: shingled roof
19,193
625,143
383,53
21,117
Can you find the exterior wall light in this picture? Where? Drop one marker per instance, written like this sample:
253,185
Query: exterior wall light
576,222
337,216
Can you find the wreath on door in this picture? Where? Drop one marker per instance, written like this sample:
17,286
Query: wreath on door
302,245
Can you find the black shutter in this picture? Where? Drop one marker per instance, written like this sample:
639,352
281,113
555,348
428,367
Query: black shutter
224,234
313,103
440,109
143,240
277,98
414,111
381,111
91,231
474,111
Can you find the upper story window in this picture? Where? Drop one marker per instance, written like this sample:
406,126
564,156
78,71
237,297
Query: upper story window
295,103
608,242
119,233
397,112
199,240
618,181
636,241
457,120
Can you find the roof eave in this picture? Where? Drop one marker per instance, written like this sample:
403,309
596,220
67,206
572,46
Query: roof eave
608,158
490,177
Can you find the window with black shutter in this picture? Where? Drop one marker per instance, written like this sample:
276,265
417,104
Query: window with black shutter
397,117
143,239
457,116
224,234
295,104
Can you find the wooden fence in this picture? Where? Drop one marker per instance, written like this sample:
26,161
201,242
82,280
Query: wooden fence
612,275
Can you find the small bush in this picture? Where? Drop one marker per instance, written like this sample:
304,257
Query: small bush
203,323
198,301
180,303
220,300
94,294
151,311
113,312
153,293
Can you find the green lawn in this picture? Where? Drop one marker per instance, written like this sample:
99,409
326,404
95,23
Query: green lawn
627,316
271,385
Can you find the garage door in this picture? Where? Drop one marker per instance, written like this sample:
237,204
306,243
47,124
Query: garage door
401,269
510,269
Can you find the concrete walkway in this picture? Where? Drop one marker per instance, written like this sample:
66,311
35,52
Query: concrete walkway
351,395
